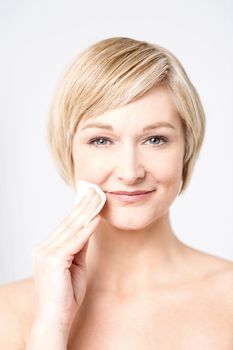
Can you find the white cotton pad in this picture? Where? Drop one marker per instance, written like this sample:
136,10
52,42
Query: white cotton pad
81,188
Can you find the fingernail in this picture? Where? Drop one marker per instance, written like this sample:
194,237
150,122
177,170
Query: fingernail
91,191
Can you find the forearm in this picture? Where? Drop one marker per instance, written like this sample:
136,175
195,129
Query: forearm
47,336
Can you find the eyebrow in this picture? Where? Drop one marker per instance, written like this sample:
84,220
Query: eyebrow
147,127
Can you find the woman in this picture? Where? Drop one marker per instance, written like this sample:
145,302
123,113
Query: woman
125,117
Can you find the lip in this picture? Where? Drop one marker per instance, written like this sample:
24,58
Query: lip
131,193
131,198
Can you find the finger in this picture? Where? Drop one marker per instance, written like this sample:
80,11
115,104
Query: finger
80,257
71,227
74,227
78,209
63,255
76,212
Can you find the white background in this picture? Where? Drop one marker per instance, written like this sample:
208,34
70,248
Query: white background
38,39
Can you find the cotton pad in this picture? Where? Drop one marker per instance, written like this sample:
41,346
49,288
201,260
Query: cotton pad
81,188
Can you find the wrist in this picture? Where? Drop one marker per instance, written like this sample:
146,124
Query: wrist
50,332
39,328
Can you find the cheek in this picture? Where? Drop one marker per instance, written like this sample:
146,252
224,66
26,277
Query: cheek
168,168
87,166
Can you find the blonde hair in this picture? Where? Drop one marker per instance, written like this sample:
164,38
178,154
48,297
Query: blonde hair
109,74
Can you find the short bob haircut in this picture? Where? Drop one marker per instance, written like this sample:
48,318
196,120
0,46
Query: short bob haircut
109,74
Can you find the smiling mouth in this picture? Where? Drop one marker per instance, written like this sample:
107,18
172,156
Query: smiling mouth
132,193
130,198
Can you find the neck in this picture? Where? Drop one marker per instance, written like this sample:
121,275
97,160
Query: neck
122,262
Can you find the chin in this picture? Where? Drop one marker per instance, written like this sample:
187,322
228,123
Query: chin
129,223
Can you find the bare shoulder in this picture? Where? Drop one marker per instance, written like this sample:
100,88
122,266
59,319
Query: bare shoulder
217,273
16,312
223,279
221,290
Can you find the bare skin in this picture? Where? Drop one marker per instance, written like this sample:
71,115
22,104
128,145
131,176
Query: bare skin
194,313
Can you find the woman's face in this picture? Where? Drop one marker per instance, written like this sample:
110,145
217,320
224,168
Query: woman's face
123,157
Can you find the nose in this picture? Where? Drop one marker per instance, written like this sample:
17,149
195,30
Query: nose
129,167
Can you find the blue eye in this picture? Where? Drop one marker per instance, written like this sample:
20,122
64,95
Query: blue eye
96,139
164,139
92,142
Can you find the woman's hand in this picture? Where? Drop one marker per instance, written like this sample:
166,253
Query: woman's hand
59,264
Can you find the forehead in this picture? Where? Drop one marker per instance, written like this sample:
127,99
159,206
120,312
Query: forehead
156,106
